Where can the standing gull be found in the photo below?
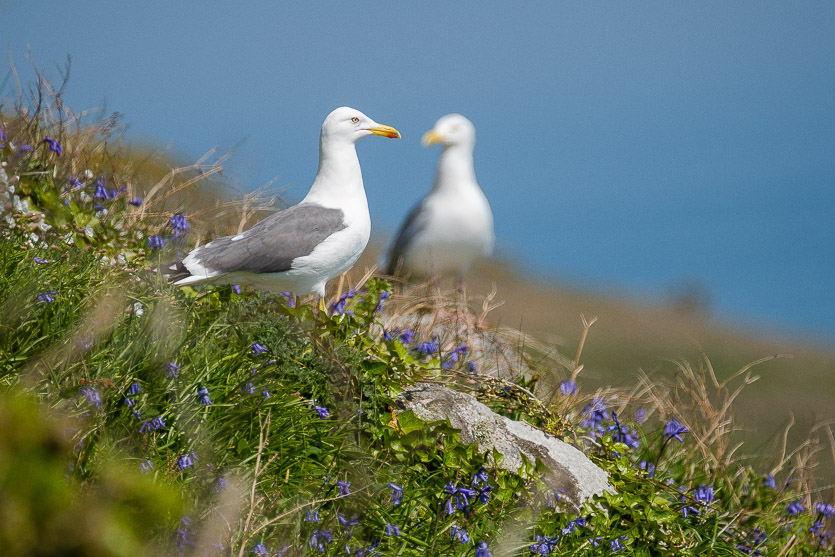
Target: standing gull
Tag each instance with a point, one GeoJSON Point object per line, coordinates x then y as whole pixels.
{"type": "Point", "coordinates": [300, 248]}
{"type": "Point", "coordinates": [452, 226]}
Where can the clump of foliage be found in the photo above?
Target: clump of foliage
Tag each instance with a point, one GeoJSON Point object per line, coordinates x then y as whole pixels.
{"type": "Point", "coordinates": [224, 421]}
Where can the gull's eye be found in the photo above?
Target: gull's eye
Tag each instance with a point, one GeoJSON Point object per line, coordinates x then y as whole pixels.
{"type": "Point", "coordinates": [355, 120]}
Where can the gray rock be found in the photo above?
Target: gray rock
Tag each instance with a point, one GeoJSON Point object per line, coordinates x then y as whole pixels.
{"type": "Point", "coordinates": [569, 470]}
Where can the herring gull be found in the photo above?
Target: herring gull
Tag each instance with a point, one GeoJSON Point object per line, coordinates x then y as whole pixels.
{"type": "Point", "coordinates": [452, 226]}
{"type": "Point", "coordinates": [300, 248]}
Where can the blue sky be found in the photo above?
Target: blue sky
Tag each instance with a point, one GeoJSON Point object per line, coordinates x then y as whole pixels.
{"type": "Point", "coordinates": [630, 147]}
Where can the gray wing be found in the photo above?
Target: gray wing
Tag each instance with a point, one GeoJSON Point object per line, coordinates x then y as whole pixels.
{"type": "Point", "coordinates": [414, 223]}
{"type": "Point", "coordinates": [271, 245]}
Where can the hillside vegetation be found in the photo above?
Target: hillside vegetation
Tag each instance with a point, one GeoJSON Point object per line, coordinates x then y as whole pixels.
{"type": "Point", "coordinates": [141, 419]}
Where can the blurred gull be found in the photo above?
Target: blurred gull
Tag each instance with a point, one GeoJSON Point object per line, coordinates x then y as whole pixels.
{"type": "Point", "coordinates": [299, 248]}
{"type": "Point", "coordinates": [452, 226]}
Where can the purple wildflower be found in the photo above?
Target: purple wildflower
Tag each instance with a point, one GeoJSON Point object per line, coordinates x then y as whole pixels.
{"type": "Point", "coordinates": [344, 488]}
{"type": "Point", "coordinates": [25, 148]}
{"type": "Point", "coordinates": [595, 414]}
{"type": "Point", "coordinates": [397, 493]}
{"type": "Point", "coordinates": [673, 429]}
{"type": "Point", "coordinates": [320, 538]}
{"type": "Point", "coordinates": [616, 545]}
{"type": "Point", "coordinates": [135, 388]}
{"type": "Point", "coordinates": [186, 461]}
{"type": "Point", "coordinates": [39, 261]}
{"type": "Point", "coordinates": [769, 481]}
{"type": "Point", "coordinates": [426, 348]}
{"type": "Point", "coordinates": [481, 550]}
{"type": "Point", "coordinates": [383, 297]}
{"type": "Point", "coordinates": [179, 225]}
{"type": "Point", "coordinates": [47, 297]}
{"type": "Point", "coordinates": [136, 201]}
{"type": "Point", "coordinates": [568, 388]}
{"type": "Point", "coordinates": [472, 367]}
{"type": "Point", "coordinates": [92, 395]}
{"type": "Point", "coordinates": [260, 549]}
{"type": "Point", "coordinates": [322, 411]}
{"type": "Point", "coordinates": [266, 394]}
{"type": "Point", "coordinates": [103, 193]}
{"type": "Point", "coordinates": [146, 466]}
{"type": "Point", "coordinates": [338, 307]}
{"type": "Point", "coordinates": [795, 508]}
{"type": "Point", "coordinates": [74, 182]}
{"type": "Point", "coordinates": [203, 395]}
{"type": "Point", "coordinates": [406, 336]}
{"type": "Point", "coordinates": [826, 509]}
{"type": "Point", "coordinates": [312, 516]}
{"type": "Point", "coordinates": [258, 348]}
{"type": "Point", "coordinates": [152, 425]}
{"type": "Point", "coordinates": [703, 494]}
{"type": "Point", "coordinates": [54, 146]}
{"type": "Point", "coordinates": [348, 523]}
{"type": "Point", "coordinates": [157, 242]}
{"type": "Point", "coordinates": [459, 534]}
{"type": "Point", "coordinates": [291, 299]}
{"type": "Point", "coordinates": [236, 289]}
{"type": "Point", "coordinates": [392, 530]}
{"type": "Point", "coordinates": [172, 369]}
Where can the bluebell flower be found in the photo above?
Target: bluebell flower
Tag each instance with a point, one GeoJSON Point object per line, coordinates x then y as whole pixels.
{"type": "Point", "coordinates": [795, 508]}
{"type": "Point", "coordinates": [203, 396]}
{"type": "Point", "coordinates": [54, 146]}
{"type": "Point", "coordinates": [103, 193]}
{"type": "Point", "coordinates": [322, 411]}
{"type": "Point", "coordinates": [25, 148]}
{"type": "Point", "coordinates": [179, 225]}
{"type": "Point", "coordinates": [135, 388]}
{"type": "Point", "coordinates": [622, 433]}
{"type": "Point", "coordinates": [397, 493]}
{"type": "Point", "coordinates": [47, 297]}
{"type": "Point", "coordinates": [344, 488]}
{"type": "Point", "coordinates": [172, 369]}
{"type": "Point", "coordinates": [480, 477]}
{"type": "Point", "coordinates": [572, 525]}
{"type": "Point", "coordinates": [753, 541]}
{"type": "Point", "coordinates": [348, 524]}
{"type": "Point", "coordinates": [616, 544]}
{"type": "Point", "coordinates": [595, 414]}
{"type": "Point", "coordinates": [703, 494]}
{"type": "Point", "coordinates": [384, 295]}
{"type": "Point", "coordinates": [320, 538]}
{"type": "Point", "coordinates": [236, 289]}
{"type": "Point", "coordinates": [648, 467]}
{"type": "Point", "coordinates": [769, 481]}
{"type": "Point", "coordinates": [312, 516]}
{"type": "Point", "coordinates": [258, 348]}
{"type": "Point", "coordinates": [136, 201]}
{"type": "Point", "coordinates": [3, 136]}
{"type": "Point", "coordinates": [673, 429]}
{"type": "Point", "coordinates": [92, 395]}
{"type": "Point", "coordinates": [156, 241]}
{"type": "Point", "coordinates": [221, 484]}
{"type": "Point", "coordinates": [543, 545]}
{"type": "Point", "coordinates": [568, 388]}
{"type": "Point", "coordinates": [266, 394]}
{"type": "Point", "coordinates": [481, 550]}
{"type": "Point", "coordinates": [426, 348]}
{"type": "Point", "coordinates": [406, 336]}
{"type": "Point", "coordinates": [146, 466]}
{"type": "Point", "coordinates": [249, 389]}
{"type": "Point", "coordinates": [392, 529]}
{"type": "Point", "coordinates": [291, 299]}
{"type": "Point", "coordinates": [260, 549]}
{"type": "Point", "coordinates": [39, 261]}
{"type": "Point", "coordinates": [74, 182]}
{"type": "Point", "coordinates": [187, 460]}
{"type": "Point", "coordinates": [472, 367]}
{"type": "Point", "coordinates": [459, 534]}
{"type": "Point", "coordinates": [640, 415]}
{"type": "Point", "coordinates": [338, 307]}
{"type": "Point", "coordinates": [826, 509]}
{"type": "Point", "coordinates": [154, 424]}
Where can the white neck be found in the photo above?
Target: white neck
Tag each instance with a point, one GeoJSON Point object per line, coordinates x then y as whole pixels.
{"type": "Point", "coordinates": [455, 166]}
{"type": "Point", "coordinates": [339, 177]}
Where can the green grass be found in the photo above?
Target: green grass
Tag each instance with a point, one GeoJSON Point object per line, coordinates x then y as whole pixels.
{"type": "Point", "coordinates": [141, 419]}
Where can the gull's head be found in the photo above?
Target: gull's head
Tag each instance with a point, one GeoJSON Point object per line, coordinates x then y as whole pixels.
{"type": "Point", "coordinates": [450, 130]}
{"type": "Point", "coordinates": [348, 125]}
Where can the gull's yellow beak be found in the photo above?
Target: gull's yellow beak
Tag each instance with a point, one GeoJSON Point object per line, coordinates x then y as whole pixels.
{"type": "Point", "coordinates": [431, 138]}
{"type": "Point", "coordinates": [385, 131]}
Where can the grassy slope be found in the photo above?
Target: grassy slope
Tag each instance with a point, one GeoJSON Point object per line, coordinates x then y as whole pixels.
{"type": "Point", "coordinates": [631, 336]}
